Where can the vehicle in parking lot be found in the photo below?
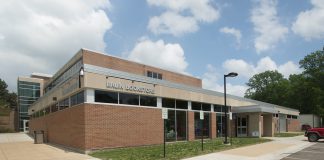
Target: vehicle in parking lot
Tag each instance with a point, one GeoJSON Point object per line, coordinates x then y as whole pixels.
{"type": "Point", "coordinates": [306, 127]}
{"type": "Point", "coordinates": [314, 134]}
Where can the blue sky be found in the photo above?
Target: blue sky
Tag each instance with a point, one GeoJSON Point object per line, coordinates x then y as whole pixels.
{"type": "Point", "coordinates": [202, 38]}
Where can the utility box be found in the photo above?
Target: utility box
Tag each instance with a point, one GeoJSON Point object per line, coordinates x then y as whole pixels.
{"type": "Point", "coordinates": [38, 137]}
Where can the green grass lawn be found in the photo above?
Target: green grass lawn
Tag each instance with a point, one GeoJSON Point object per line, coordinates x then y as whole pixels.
{"type": "Point", "coordinates": [174, 150]}
{"type": "Point", "coordinates": [288, 134]}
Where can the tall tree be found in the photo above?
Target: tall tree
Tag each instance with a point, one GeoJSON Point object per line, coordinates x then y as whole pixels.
{"type": "Point", "coordinates": [268, 86]}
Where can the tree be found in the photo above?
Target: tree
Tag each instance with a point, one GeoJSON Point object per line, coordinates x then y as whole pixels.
{"type": "Point", "coordinates": [7, 99]}
{"type": "Point", "coordinates": [268, 86]}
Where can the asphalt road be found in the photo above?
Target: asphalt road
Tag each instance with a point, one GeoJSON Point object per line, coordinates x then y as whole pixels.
{"type": "Point", "coordinates": [314, 152]}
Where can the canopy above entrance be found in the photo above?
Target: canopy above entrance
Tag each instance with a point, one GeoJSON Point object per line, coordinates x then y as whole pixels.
{"type": "Point", "coordinates": [255, 108]}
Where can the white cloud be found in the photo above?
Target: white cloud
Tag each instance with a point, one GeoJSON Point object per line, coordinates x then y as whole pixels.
{"type": "Point", "coordinates": [247, 70]}
{"type": "Point", "coordinates": [266, 25]}
{"type": "Point", "coordinates": [232, 31]}
{"type": "Point", "coordinates": [212, 80]}
{"type": "Point", "coordinates": [309, 24]}
{"type": "Point", "coordinates": [165, 55]}
{"type": "Point", "coordinates": [184, 14]}
{"type": "Point", "coordinates": [179, 23]}
{"type": "Point", "coordinates": [39, 36]}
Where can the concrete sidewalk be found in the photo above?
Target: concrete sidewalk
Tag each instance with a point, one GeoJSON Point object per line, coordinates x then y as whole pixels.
{"type": "Point", "coordinates": [274, 150]}
{"type": "Point", "coordinates": [17, 146]}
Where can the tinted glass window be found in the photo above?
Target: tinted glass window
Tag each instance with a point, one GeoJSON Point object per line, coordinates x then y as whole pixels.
{"type": "Point", "coordinates": [217, 108]}
{"type": "Point", "coordinates": [149, 74]}
{"type": "Point", "coordinates": [105, 97]}
{"type": "Point", "coordinates": [80, 97]}
{"type": "Point", "coordinates": [168, 103]}
{"type": "Point", "coordinates": [154, 75]}
{"type": "Point", "coordinates": [181, 104]}
{"type": "Point", "coordinates": [148, 101]}
{"type": "Point", "coordinates": [159, 76]}
{"type": "Point", "coordinates": [206, 107]}
{"type": "Point", "coordinates": [195, 106]}
{"type": "Point", "coordinates": [125, 98]}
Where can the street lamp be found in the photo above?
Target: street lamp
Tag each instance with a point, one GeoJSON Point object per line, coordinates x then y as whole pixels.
{"type": "Point", "coordinates": [81, 73]}
{"type": "Point", "coordinates": [232, 74]}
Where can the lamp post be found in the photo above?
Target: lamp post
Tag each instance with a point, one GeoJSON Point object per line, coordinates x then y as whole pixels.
{"type": "Point", "coordinates": [232, 74]}
{"type": "Point", "coordinates": [81, 73]}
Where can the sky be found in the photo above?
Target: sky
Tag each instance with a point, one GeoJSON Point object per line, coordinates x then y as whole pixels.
{"type": "Point", "coordinates": [201, 38]}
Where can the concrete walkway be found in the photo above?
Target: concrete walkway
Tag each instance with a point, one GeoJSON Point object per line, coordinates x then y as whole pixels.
{"type": "Point", "coordinates": [274, 150]}
{"type": "Point", "coordinates": [17, 146]}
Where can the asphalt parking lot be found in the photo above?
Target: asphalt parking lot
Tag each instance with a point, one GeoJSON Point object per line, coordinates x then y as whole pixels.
{"type": "Point", "coordinates": [314, 152]}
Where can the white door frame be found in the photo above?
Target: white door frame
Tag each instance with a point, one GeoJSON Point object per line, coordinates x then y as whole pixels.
{"type": "Point", "coordinates": [26, 128]}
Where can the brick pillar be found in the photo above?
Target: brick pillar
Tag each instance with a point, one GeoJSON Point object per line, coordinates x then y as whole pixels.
{"type": "Point", "coordinates": [191, 126]}
{"type": "Point", "coordinates": [213, 126]}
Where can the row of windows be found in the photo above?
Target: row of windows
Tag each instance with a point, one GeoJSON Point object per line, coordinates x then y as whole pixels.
{"type": "Point", "coordinates": [154, 75]}
{"type": "Point", "coordinates": [134, 99]}
{"type": "Point", "coordinates": [25, 83]}
{"type": "Point", "coordinates": [72, 70]}
{"type": "Point", "coordinates": [65, 103]}
{"type": "Point", "coordinates": [124, 98]}
{"type": "Point", "coordinates": [287, 116]}
{"type": "Point", "coordinates": [28, 92]}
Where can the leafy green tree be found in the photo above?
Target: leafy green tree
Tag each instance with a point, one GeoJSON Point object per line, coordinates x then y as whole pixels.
{"type": "Point", "coordinates": [268, 86]}
{"type": "Point", "coordinates": [7, 99]}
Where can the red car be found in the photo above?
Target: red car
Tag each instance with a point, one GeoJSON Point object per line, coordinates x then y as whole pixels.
{"type": "Point", "coordinates": [314, 134]}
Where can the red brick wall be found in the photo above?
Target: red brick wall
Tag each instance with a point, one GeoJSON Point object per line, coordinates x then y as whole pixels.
{"type": "Point", "coordinates": [191, 126]}
{"type": "Point", "coordinates": [109, 126]}
{"type": "Point", "coordinates": [64, 127]}
{"type": "Point", "coordinates": [213, 125]}
{"type": "Point", "coordinates": [293, 125]}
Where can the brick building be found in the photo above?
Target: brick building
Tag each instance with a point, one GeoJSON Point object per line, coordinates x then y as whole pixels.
{"type": "Point", "coordinates": [97, 101]}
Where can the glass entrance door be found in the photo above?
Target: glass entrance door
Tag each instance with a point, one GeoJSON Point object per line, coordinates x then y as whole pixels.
{"type": "Point", "coordinates": [241, 126]}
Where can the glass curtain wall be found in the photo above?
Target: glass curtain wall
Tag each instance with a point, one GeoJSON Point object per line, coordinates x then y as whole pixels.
{"type": "Point", "coordinates": [28, 93]}
{"type": "Point", "coordinates": [176, 124]}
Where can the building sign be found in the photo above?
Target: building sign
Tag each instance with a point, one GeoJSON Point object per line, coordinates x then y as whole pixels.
{"type": "Point", "coordinates": [131, 88]}
{"type": "Point", "coordinates": [164, 113]}
{"type": "Point", "coordinates": [201, 115]}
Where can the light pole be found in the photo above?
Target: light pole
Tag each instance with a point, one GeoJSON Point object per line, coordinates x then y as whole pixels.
{"type": "Point", "coordinates": [232, 74]}
{"type": "Point", "coordinates": [81, 74]}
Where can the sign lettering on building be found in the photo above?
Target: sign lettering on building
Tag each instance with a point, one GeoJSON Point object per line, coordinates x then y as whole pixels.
{"type": "Point", "coordinates": [131, 88]}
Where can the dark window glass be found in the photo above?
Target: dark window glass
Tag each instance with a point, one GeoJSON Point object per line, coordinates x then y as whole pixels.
{"type": "Point", "coordinates": [80, 97]}
{"type": "Point", "coordinates": [149, 74]}
{"type": "Point", "coordinates": [294, 117]}
{"type": "Point", "coordinates": [168, 103]}
{"type": "Point", "coordinates": [74, 100]}
{"type": "Point", "coordinates": [181, 104]}
{"type": "Point", "coordinates": [205, 107]}
{"type": "Point", "coordinates": [218, 108]}
{"type": "Point", "coordinates": [159, 76]}
{"type": "Point", "coordinates": [125, 98]}
{"type": "Point", "coordinates": [196, 106]}
{"type": "Point", "coordinates": [148, 101]}
{"type": "Point", "coordinates": [202, 127]}
{"type": "Point", "coordinates": [106, 97]}
{"type": "Point", "coordinates": [155, 75]}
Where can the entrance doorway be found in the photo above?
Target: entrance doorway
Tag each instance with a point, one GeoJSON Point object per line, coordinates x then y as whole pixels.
{"type": "Point", "coordinates": [241, 124]}
{"type": "Point", "coordinates": [26, 125]}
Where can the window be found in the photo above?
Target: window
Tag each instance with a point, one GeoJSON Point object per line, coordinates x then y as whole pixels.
{"type": "Point", "coordinates": [294, 117]}
{"type": "Point", "coordinates": [181, 104]}
{"type": "Point", "coordinates": [196, 106]}
{"type": "Point", "coordinates": [106, 97]}
{"type": "Point", "coordinates": [154, 75]}
{"type": "Point", "coordinates": [168, 103]}
{"type": "Point", "coordinates": [205, 107]}
{"type": "Point", "coordinates": [131, 99]}
{"type": "Point", "coordinates": [202, 127]}
{"type": "Point", "coordinates": [77, 98]}
{"type": "Point", "coordinates": [148, 101]}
